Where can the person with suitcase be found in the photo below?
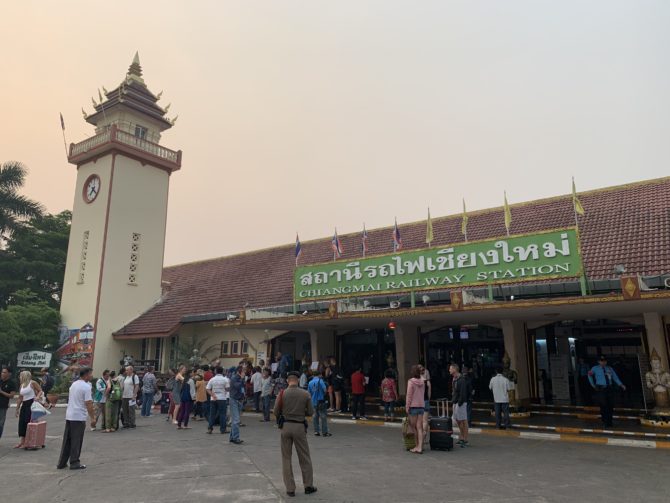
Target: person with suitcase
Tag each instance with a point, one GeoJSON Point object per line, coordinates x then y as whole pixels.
{"type": "Point", "coordinates": [460, 394]}
{"type": "Point", "coordinates": [79, 407]}
{"type": "Point", "coordinates": [28, 391]}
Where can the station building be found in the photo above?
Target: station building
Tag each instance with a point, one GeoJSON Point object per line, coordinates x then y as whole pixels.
{"type": "Point", "coordinates": [552, 292]}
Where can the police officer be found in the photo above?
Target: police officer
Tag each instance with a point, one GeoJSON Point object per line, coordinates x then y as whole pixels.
{"type": "Point", "coordinates": [602, 378]}
{"type": "Point", "coordinates": [293, 404]}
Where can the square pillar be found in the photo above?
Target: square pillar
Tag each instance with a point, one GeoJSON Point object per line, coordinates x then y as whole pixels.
{"type": "Point", "coordinates": [514, 333]}
{"type": "Point", "coordinates": [322, 344]}
{"type": "Point", "coordinates": [406, 352]}
{"type": "Point", "coordinates": [656, 337]}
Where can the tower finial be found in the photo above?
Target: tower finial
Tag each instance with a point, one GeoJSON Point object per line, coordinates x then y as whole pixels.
{"type": "Point", "coordinates": [135, 69]}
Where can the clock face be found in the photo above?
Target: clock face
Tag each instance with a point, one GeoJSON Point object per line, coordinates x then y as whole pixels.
{"type": "Point", "coordinates": [91, 188]}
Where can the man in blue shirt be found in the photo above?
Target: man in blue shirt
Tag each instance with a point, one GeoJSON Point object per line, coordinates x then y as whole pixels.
{"type": "Point", "coordinates": [602, 378]}
{"type": "Point", "coordinates": [236, 403]}
{"type": "Point", "coordinates": [317, 390]}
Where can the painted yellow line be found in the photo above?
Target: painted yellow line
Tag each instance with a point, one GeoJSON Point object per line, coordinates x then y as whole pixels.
{"type": "Point", "coordinates": [584, 439]}
{"type": "Point", "coordinates": [566, 429]}
{"type": "Point", "coordinates": [662, 445]}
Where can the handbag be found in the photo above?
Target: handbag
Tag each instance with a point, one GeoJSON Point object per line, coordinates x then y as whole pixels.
{"type": "Point", "coordinates": [280, 406]}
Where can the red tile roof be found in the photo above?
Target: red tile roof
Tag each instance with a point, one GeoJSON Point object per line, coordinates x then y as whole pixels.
{"type": "Point", "coordinates": [627, 225]}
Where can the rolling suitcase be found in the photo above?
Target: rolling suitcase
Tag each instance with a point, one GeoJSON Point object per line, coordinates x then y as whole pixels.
{"type": "Point", "coordinates": [441, 429]}
{"type": "Point", "coordinates": [36, 436]}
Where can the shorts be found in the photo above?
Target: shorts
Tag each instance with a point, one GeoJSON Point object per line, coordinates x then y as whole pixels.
{"type": "Point", "coordinates": [461, 412]}
{"type": "Point", "coordinates": [426, 405]}
{"type": "Point", "coordinates": [416, 411]}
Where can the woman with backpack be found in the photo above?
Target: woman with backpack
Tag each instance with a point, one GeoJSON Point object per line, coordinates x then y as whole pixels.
{"type": "Point", "coordinates": [389, 391]}
{"type": "Point", "coordinates": [113, 403]}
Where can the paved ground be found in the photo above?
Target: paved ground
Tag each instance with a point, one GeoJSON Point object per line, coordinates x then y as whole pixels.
{"type": "Point", "coordinates": [156, 463]}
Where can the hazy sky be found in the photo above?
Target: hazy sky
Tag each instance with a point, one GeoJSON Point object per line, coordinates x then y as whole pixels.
{"type": "Point", "coordinates": [306, 115]}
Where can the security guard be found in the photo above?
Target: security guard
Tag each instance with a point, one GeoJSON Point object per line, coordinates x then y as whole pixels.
{"type": "Point", "coordinates": [602, 378]}
{"type": "Point", "coordinates": [292, 405]}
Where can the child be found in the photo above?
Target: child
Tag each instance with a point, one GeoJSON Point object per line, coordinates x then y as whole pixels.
{"type": "Point", "coordinates": [389, 395]}
{"type": "Point", "coordinates": [266, 393]}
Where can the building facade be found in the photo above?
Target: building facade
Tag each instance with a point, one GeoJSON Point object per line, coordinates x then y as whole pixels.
{"type": "Point", "coordinates": [550, 294]}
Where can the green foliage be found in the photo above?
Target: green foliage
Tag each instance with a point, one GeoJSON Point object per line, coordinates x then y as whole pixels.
{"type": "Point", "coordinates": [28, 324]}
{"type": "Point", "coordinates": [34, 258]}
{"type": "Point", "coordinates": [192, 346]}
{"type": "Point", "coordinates": [14, 207]}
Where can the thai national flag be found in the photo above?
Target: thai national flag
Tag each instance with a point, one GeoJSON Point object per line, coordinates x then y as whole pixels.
{"type": "Point", "coordinates": [364, 241]}
{"type": "Point", "coordinates": [298, 249]}
{"type": "Point", "coordinates": [397, 240]}
{"type": "Point", "coordinates": [336, 245]}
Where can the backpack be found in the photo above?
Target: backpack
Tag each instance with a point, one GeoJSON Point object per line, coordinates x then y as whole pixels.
{"type": "Point", "coordinates": [388, 392]}
{"type": "Point", "coordinates": [115, 394]}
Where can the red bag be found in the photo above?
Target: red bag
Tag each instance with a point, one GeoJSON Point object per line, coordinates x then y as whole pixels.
{"type": "Point", "coordinates": [36, 436]}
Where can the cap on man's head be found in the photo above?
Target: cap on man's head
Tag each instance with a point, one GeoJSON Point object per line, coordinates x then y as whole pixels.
{"type": "Point", "coordinates": [603, 358]}
{"type": "Point", "coordinates": [294, 374]}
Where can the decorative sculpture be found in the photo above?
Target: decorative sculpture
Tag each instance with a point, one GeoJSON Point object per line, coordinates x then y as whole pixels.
{"type": "Point", "coordinates": [658, 380]}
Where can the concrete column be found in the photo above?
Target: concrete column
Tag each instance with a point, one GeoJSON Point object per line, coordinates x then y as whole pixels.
{"type": "Point", "coordinates": [406, 353]}
{"type": "Point", "coordinates": [655, 328]}
{"type": "Point", "coordinates": [322, 344]}
{"type": "Point", "coordinates": [514, 333]}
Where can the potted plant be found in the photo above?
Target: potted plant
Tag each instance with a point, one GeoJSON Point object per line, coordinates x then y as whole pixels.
{"type": "Point", "coordinates": [60, 388]}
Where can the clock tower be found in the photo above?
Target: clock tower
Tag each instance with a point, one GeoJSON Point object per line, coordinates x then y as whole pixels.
{"type": "Point", "coordinates": [115, 253]}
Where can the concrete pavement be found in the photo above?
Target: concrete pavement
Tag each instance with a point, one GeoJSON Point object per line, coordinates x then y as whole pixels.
{"type": "Point", "coordinates": [157, 463]}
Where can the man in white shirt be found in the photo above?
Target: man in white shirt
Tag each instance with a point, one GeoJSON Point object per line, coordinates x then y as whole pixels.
{"type": "Point", "coordinates": [218, 388]}
{"type": "Point", "coordinates": [257, 381]}
{"type": "Point", "coordinates": [131, 384]}
{"type": "Point", "coordinates": [79, 407]}
{"type": "Point", "coordinates": [500, 385]}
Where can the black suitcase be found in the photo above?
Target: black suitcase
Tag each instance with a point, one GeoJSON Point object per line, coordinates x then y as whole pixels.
{"type": "Point", "coordinates": [441, 429]}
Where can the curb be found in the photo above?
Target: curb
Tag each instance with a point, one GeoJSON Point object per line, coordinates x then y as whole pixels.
{"type": "Point", "coordinates": [572, 435]}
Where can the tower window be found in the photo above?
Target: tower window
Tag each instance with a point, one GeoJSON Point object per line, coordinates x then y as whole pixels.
{"type": "Point", "coordinates": [82, 258]}
{"type": "Point", "coordinates": [134, 258]}
{"type": "Point", "coordinates": [141, 132]}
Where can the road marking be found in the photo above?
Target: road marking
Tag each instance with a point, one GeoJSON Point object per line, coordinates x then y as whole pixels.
{"type": "Point", "coordinates": [625, 442]}
{"type": "Point", "coordinates": [544, 436]}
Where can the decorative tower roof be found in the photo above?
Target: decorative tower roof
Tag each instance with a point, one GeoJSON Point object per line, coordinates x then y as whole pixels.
{"type": "Point", "coordinates": [133, 94]}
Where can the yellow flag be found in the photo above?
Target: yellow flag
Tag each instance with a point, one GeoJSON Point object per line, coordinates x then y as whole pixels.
{"type": "Point", "coordinates": [429, 229]}
{"type": "Point", "coordinates": [464, 223]}
{"type": "Point", "coordinates": [579, 209]}
{"type": "Point", "coordinates": [508, 215]}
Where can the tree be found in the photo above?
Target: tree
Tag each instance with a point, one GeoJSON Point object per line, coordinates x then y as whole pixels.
{"type": "Point", "coordinates": [14, 208]}
{"type": "Point", "coordinates": [34, 258]}
{"type": "Point", "coordinates": [28, 324]}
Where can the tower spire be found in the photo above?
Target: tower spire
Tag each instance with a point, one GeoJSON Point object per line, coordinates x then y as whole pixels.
{"type": "Point", "coordinates": [135, 69]}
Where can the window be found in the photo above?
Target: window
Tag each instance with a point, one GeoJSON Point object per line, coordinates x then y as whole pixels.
{"type": "Point", "coordinates": [224, 348]}
{"type": "Point", "coordinates": [235, 348]}
{"type": "Point", "coordinates": [134, 258]}
{"type": "Point", "coordinates": [158, 353]}
{"type": "Point", "coordinates": [140, 132]}
{"type": "Point", "coordinates": [245, 348]}
{"type": "Point", "coordinates": [145, 349]}
{"type": "Point", "coordinates": [82, 259]}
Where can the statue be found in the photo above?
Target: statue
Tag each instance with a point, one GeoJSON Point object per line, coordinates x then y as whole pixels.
{"type": "Point", "coordinates": [511, 374]}
{"type": "Point", "coordinates": [658, 380]}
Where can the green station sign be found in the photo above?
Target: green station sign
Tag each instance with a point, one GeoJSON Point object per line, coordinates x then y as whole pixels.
{"type": "Point", "coordinates": [541, 256]}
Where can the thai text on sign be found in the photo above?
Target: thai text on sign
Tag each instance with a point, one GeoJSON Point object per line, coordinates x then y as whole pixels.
{"type": "Point", "coordinates": [546, 255]}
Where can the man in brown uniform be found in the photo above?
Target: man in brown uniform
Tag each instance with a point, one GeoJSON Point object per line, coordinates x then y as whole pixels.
{"type": "Point", "coordinates": [294, 404]}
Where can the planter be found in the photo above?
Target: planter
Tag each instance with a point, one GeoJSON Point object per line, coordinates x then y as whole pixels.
{"type": "Point", "coordinates": [52, 398]}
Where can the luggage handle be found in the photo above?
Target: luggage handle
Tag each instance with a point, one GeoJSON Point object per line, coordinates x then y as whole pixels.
{"type": "Point", "coordinates": [442, 407]}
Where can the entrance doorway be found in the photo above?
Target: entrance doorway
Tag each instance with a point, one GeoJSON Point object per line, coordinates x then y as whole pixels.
{"type": "Point", "coordinates": [478, 346]}
{"type": "Point", "coordinates": [374, 350]}
{"type": "Point", "coordinates": [567, 350]}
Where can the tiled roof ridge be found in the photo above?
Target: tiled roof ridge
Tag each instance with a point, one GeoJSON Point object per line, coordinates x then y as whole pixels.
{"type": "Point", "coordinates": [483, 211]}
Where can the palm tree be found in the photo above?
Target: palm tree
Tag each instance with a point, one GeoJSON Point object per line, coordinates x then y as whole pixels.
{"type": "Point", "coordinates": [14, 208]}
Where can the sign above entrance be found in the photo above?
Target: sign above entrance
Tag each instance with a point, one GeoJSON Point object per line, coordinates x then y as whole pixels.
{"type": "Point", "coordinates": [513, 259]}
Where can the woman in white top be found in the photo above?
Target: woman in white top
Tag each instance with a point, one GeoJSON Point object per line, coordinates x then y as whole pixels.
{"type": "Point", "coordinates": [28, 391]}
